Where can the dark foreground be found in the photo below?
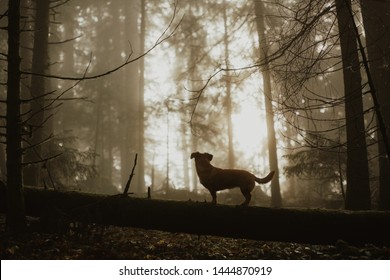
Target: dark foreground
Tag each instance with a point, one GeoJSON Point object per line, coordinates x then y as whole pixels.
{"type": "Point", "coordinates": [97, 242]}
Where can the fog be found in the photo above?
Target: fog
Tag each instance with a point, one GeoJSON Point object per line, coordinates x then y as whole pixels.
{"type": "Point", "coordinates": [260, 85]}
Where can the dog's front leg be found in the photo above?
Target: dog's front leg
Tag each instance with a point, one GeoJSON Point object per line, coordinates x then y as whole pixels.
{"type": "Point", "coordinates": [214, 196]}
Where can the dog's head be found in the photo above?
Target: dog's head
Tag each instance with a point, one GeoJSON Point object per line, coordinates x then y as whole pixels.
{"type": "Point", "coordinates": [198, 155]}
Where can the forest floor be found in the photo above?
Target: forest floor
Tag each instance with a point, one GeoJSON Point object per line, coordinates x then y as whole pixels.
{"type": "Point", "coordinates": [94, 242]}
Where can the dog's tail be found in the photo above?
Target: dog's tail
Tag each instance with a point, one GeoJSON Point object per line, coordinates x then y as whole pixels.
{"type": "Point", "coordinates": [266, 179]}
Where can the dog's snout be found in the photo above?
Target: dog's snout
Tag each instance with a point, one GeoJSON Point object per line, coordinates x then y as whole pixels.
{"type": "Point", "coordinates": [209, 156]}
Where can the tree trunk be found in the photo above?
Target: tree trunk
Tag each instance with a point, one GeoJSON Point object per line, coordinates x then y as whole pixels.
{"type": "Point", "coordinates": [259, 223]}
{"type": "Point", "coordinates": [131, 99]}
{"type": "Point", "coordinates": [16, 221]}
{"type": "Point", "coordinates": [194, 77]}
{"type": "Point", "coordinates": [376, 18]}
{"type": "Point", "coordinates": [141, 102]}
{"type": "Point", "coordinates": [26, 45]}
{"type": "Point", "coordinates": [228, 100]}
{"type": "Point", "coordinates": [65, 117]}
{"type": "Point", "coordinates": [40, 65]}
{"type": "Point", "coordinates": [276, 198]}
{"type": "Point", "coordinates": [194, 174]}
{"type": "Point", "coordinates": [358, 189]}
{"type": "Point", "coordinates": [3, 160]}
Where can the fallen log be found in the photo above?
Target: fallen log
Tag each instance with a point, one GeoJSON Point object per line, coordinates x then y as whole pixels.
{"type": "Point", "coordinates": [314, 226]}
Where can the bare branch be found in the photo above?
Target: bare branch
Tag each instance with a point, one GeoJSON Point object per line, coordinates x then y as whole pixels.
{"type": "Point", "coordinates": [161, 39]}
{"type": "Point", "coordinates": [66, 41]}
{"type": "Point", "coordinates": [279, 53]}
{"type": "Point", "coordinates": [24, 164]}
{"type": "Point", "coordinates": [37, 97]}
{"type": "Point", "coordinates": [58, 3]}
{"type": "Point", "coordinates": [4, 15]}
{"type": "Point", "coordinates": [32, 146]}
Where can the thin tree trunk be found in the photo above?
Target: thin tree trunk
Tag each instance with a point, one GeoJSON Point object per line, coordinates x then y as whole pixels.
{"type": "Point", "coordinates": [141, 107]}
{"type": "Point", "coordinates": [40, 65]}
{"type": "Point", "coordinates": [228, 101]}
{"type": "Point", "coordinates": [16, 220]}
{"type": "Point", "coordinates": [130, 141]}
{"type": "Point", "coordinates": [194, 174]}
{"type": "Point", "coordinates": [65, 117]}
{"type": "Point", "coordinates": [98, 143]}
{"type": "Point", "coordinates": [125, 142]}
{"type": "Point", "coordinates": [185, 158]}
{"type": "Point", "coordinates": [109, 164]}
{"type": "Point", "coordinates": [26, 47]}
{"type": "Point", "coordinates": [358, 189]}
{"type": "Point", "coordinates": [276, 198]}
{"type": "Point", "coordinates": [193, 138]}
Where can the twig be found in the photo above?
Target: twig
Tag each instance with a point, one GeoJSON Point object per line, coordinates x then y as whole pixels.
{"type": "Point", "coordinates": [161, 39]}
{"type": "Point", "coordinates": [130, 177]}
{"type": "Point", "coordinates": [24, 164]}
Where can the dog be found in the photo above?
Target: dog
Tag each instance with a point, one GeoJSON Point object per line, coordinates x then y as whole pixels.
{"type": "Point", "coordinates": [215, 179]}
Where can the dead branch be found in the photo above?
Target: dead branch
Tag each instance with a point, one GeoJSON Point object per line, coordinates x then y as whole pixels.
{"type": "Point", "coordinates": [41, 160]}
{"type": "Point", "coordinates": [65, 41]}
{"type": "Point", "coordinates": [125, 192]}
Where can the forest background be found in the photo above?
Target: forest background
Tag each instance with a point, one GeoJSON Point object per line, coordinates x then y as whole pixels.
{"type": "Point", "coordinates": [300, 87]}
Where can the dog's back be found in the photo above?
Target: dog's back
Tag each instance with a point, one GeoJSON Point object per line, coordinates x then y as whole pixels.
{"type": "Point", "coordinates": [220, 179]}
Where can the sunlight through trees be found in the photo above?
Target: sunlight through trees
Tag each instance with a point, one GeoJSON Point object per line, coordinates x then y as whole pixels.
{"type": "Point", "coordinates": [298, 87]}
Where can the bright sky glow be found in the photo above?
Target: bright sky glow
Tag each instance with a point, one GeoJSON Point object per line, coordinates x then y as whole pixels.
{"type": "Point", "coordinates": [249, 125]}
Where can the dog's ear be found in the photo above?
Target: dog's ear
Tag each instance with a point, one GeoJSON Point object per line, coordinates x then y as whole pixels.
{"type": "Point", "coordinates": [194, 155]}
{"type": "Point", "coordinates": [209, 156]}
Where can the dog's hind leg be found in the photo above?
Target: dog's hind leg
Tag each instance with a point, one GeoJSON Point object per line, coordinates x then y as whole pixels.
{"type": "Point", "coordinates": [246, 191]}
{"type": "Point", "coordinates": [247, 196]}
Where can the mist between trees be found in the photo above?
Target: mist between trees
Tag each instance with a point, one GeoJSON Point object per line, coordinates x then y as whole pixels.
{"type": "Point", "coordinates": [299, 87]}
